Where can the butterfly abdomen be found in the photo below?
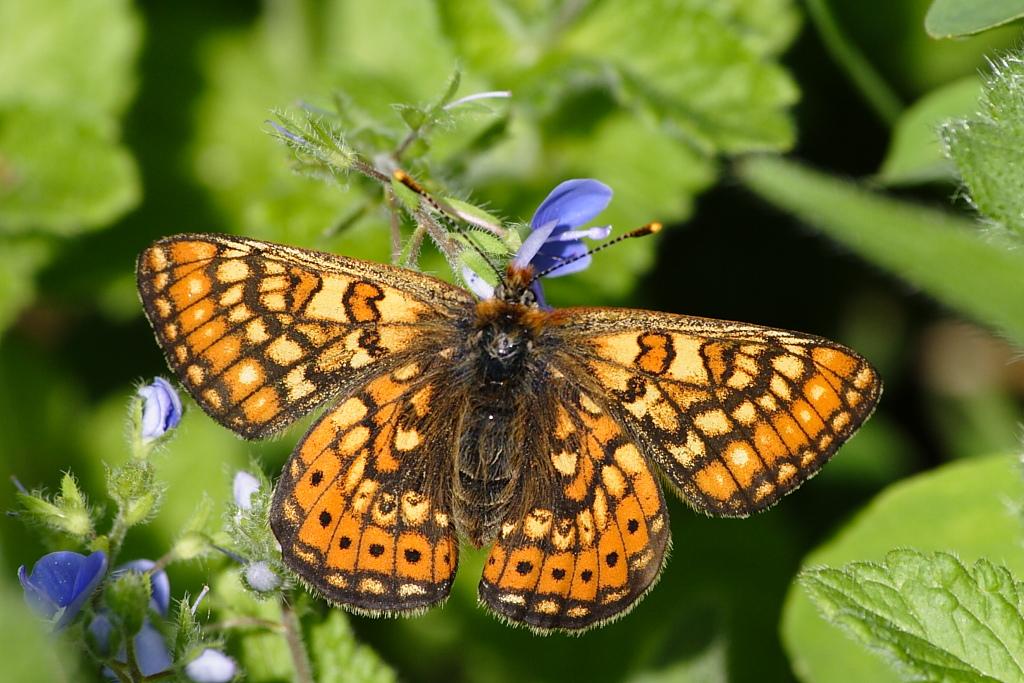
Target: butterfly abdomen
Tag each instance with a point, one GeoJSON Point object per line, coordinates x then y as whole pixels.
{"type": "Point", "coordinates": [485, 474]}
{"type": "Point", "coordinates": [500, 359]}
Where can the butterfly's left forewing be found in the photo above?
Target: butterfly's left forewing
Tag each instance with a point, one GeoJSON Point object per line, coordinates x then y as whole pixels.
{"type": "Point", "coordinates": [736, 415]}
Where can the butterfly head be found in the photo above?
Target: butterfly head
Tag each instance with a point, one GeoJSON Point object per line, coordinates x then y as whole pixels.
{"type": "Point", "coordinates": [509, 322]}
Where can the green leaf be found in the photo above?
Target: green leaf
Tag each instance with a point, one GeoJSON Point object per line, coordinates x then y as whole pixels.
{"type": "Point", "coordinates": [61, 169]}
{"type": "Point", "coordinates": [28, 652]}
{"type": "Point", "coordinates": [929, 614]}
{"type": "Point", "coordinates": [263, 653]}
{"type": "Point", "coordinates": [76, 53]}
{"type": "Point", "coordinates": [653, 181]}
{"type": "Point", "coordinates": [915, 153]}
{"type": "Point", "coordinates": [339, 658]}
{"type": "Point", "coordinates": [943, 255]}
{"type": "Point", "coordinates": [717, 88]}
{"type": "Point", "coordinates": [985, 147]}
{"type": "Point", "coordinates": [956, 18]}
{"type": "Point", "coordinates": [969, 508]}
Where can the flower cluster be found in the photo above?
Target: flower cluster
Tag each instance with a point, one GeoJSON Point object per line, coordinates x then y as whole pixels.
{"type": "Point", "coordinates": [125, 609]}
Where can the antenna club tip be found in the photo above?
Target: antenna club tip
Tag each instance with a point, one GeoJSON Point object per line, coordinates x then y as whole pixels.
{"type": "Point", "coordinates": [649, 229]}
{"type": "Point", "coordinates": [404, 178]}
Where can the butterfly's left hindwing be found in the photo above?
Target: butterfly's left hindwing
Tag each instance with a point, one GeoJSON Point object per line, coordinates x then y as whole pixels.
{"type": "Point", "coordinates": [261, 333]}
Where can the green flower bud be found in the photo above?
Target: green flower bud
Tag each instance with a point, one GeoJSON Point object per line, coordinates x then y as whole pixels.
{"type": "Point", "coordinates": [128, 596]}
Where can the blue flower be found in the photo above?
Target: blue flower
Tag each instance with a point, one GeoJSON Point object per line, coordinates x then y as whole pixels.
{"type": "Point", "coordinates": [61, 582]}
{"type": "Point", "coordinates": [162, 409]}
{"type": "Point", "coordinates": [554, 236]}
{"type": "Point", "coordinates": [211, 666]}
{"type": "Point", "coordinates": [151, 653]}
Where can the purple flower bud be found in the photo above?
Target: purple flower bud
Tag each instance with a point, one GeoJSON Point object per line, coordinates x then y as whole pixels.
{"type": "Point", "coordinates": [211, 666]}
{"type": "Point", "coordinates": [243, 487]}
{"type": "Point", "coordinates": [261, 577]}
{"type": "Point", "coordinates": [61, 582]}
{"type": "Point", "coordinates": [162, 409]}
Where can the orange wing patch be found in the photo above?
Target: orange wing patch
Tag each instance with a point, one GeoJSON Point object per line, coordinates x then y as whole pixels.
{"type": "Point", "coordinates": [736, 415]}
{"type": "Point", "coordinates": [592, 539]}
{"type": "Point", "coordinates": [361, 511]}
{"type": "Point", "coordinates": [258, 332]}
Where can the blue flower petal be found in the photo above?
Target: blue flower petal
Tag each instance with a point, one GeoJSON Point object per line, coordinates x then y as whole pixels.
{"type": "Point", "coordinates": [151, 653]}
{"type": "Point", "coordinates": [532, 245]}
{"type": "Point", "coordinates": [211, 666]}
{"type": "Point", "coordinates": [160, 597]}
{"type": "Point", "coordinates": [554, 238]}
{"type": "Point", "coordinates": [573, 203]}
{"type": "Point", "coordinates": [61, 582]}
{"type": "Point", "coordinates": [555, 252]}
{"type": "Point", "coordinates": [162, 409]}
{"type": "Point", "coordinates": [100, 629]}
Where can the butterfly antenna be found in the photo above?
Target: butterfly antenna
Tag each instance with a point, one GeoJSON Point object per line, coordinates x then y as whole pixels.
{"type": "Point", "coordinates": [649, 229]}
{"type": "Point", "coordinates": [448, 213]}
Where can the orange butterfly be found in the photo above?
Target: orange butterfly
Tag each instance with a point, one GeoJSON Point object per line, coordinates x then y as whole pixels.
{"type": "Point", "coordinates": [491, 418]}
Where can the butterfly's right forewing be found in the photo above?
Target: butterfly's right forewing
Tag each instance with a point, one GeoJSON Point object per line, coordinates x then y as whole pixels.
{"type": "Point", "coordinates": [261, 333]}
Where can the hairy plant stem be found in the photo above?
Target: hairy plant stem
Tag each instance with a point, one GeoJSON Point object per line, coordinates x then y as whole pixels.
{"type": "Point", "coordinates": [296, 646]}
{"type": "Point", "coordinates": [396, 226]}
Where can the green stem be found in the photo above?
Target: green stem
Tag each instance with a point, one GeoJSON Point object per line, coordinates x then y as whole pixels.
{"type": "Point", "coordinates": [293, 636]}
{"type": "Point", "coordinates": [118, 530]}
{"type": "Point", "coordinates": [133, 666]}
{"type": "Point", "coordinates": [163, 561]}
{"type": "Point", "coordinates": [885, 102]}
{"type": "Point", "coordinates": [119, 670]}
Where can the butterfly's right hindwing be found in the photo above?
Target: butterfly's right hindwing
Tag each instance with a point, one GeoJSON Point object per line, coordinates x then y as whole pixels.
{"type": "Point", "coordinates": [362, 510]}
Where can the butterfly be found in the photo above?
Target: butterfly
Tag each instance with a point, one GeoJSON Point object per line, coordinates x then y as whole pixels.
{"type": "Point", "coordinates": [489, 418]}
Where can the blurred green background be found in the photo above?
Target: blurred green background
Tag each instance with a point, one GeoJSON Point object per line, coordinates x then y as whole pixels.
{"type": "Point", "coordinates": [123, 122]}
